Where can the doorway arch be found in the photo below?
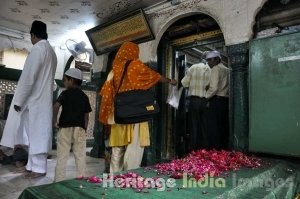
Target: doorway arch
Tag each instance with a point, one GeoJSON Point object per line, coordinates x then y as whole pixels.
{"type": "Point", "coordinates": [189, 34]}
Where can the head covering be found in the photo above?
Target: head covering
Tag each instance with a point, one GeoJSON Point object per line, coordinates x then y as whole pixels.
{"type": "Point", "coordinates": [128, 51]}
{"type": "Point", "coordinates": [38, 27]}
{"type": "Point", "coordinates": [139, 76]}
{"type": "Point", "coordinates": [213, 54]}
{"type": "Point", "coordinates": [75, 73]}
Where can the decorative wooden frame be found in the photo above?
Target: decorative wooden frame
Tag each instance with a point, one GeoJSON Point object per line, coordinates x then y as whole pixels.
{"type": "Point", "coordinates": [109, 36]}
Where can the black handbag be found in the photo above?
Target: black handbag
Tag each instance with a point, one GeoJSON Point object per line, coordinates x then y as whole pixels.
{"type": "Point", "coordinates": [134, 106]}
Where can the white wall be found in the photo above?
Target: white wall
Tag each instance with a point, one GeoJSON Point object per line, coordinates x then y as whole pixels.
{"type": "Point", "coordinates": [10, 42]}
{"type": "Point", "coordinates": [62, 55]}
{"type": "Point", "coordinates": [14, 58]}
{"type": "Point", "coordinates": [235, 18]}
{"type": "Point", "coordinates": [62, 58]}
{"type": "Point", "coordinates": [100, 63]}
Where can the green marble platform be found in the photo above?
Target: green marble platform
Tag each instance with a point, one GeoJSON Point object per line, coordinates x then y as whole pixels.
{"type": "Point", "coordinates": [276, 179]}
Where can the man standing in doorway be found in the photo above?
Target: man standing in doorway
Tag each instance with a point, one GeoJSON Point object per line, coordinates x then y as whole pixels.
{"type": "Point", "coordinates": [218, 107]}
{"type": "Point", "coordinates": [29, 120]}
{"type": "Point", "coordinates": [196, 79]}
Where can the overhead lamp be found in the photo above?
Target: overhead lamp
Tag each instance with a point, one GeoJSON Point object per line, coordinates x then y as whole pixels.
{"type": "Point", "coordinates": [197, 50]}
{"type": "Point", "coordinates": [14, 35]}
{"type": "Point", "coordinates": [11, 33]}
{"type": "Point", "coordinates": [175, 2]}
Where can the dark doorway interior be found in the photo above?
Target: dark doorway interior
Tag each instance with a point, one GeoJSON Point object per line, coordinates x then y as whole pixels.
{"type": "Point", "coordinates": [184, 58]}
{"type": "Point", "coordinates": [175, 122]}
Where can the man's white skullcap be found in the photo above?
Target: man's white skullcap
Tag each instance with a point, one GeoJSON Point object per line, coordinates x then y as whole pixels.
{"type": "Point", "coordinates": [74, 72]}
{"type": "Point", "coordinates": [213, 54]}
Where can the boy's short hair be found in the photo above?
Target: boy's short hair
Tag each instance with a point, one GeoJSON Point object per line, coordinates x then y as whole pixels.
{"type": "Point", "coordinates": [78, 82]}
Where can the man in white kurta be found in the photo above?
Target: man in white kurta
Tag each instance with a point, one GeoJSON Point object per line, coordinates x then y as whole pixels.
{"type": "Point", "coordinates": [218, 98]}
{"type": "Point", "coordinates": [29, 120]}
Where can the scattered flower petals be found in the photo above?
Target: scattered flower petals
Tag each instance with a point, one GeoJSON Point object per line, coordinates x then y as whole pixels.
{"type": "Point", "coordinates": [211, 162]}
{"type": "Point", "coordinates": [94, 179]}
{"type": "Point", "coordinates": [197, 164]}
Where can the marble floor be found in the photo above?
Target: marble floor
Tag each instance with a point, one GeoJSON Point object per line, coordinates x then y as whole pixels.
{"type": "Point", "coordinates": [12, 184]}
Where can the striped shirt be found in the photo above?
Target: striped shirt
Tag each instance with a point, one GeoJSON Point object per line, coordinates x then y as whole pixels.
{"type": "Point", "coordinates": [196, 79]}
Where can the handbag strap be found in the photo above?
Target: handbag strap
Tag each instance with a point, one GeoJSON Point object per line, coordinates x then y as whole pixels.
{"type": "Point", "coordinates": [124, 72]}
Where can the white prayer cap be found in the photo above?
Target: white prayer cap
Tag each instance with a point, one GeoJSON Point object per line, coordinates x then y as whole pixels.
{"type": "Point", "coordinates": [213, 54]}
{"type": "Point", "coordinates": [75, 73]}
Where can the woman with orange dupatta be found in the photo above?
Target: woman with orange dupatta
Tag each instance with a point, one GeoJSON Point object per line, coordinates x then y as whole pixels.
{"type": "Point", "coordinates": [127, 140]}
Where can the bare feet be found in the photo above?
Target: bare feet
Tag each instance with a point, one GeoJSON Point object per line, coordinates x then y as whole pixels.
{"type": "Point", "coordinates": [1, 155]}
{"type": "Point", "coordinates": [21, 170]}
{"type": "Point", "coordinates": [33, 175]}
{"type": "Point", "coordinates": [19, 164]}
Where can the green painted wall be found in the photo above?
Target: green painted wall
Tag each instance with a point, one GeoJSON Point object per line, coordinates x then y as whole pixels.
{"type": "Point", "coordinates": [275, 95]}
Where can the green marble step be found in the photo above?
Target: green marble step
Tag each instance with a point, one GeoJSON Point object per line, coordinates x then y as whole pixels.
{"type": "Point", "coordinates": [277, 179]}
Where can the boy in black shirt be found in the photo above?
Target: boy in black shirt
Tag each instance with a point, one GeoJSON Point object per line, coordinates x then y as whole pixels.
{"type": "Point", "coordinates": [72, 124]}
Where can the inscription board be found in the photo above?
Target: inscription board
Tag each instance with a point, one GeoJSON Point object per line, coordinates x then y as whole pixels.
{"type": "Point", "coordinates": [109, 36]}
